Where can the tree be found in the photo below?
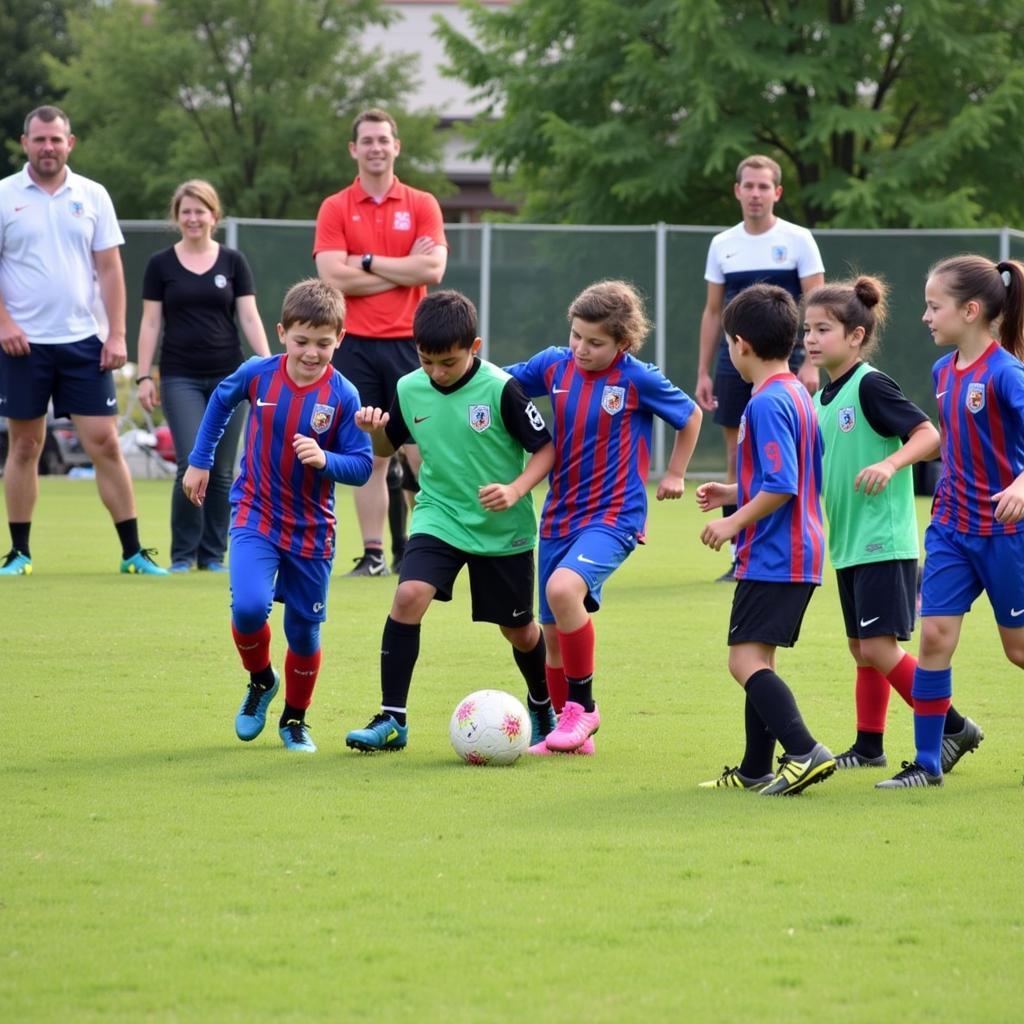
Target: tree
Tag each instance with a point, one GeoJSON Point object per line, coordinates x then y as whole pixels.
{"type": "Point", "coordinates": [881, 113]}
{"type": "Point", "coordinates": [255, 95]}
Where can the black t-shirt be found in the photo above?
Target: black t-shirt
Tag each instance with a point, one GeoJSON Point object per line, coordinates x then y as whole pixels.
{"type": "Point", "coordinates": [200, 338]}
{"type": "Point", "coordinates": [888, 411]}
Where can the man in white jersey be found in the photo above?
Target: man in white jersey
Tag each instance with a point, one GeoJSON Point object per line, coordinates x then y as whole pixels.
{"type": "Point", "coordinates": [761, 249]}
{"type": "Point", "coordinates": [59, 241]}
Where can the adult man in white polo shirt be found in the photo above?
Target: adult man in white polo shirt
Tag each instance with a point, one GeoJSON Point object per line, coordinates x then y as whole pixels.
{"type": "Point", "coordinates": [59, 238]}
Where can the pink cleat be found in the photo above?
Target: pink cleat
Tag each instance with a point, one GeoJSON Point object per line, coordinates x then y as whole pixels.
{"type": "Point", "coordinates": [542, 750]}
{"type": "Point", "coordinates": [575, 727]}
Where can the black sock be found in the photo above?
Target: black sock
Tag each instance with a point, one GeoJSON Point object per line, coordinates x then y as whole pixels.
{"type": "Point", "coordinates": [264, 679]}
{"type": "Point", "coordinates": [531, 666]}
{"type": "Point", "coordinates": [19, 537]}
{"type": "Point", "coordinates": [291, 714]}
{"type": "Point", "coordinates": [954, 720]}
{"type": "Point", "coordinates": [579, 692]}
{"type": "Point", "coordinates": [760, 749]}
{"type": "Point", "coordinates": [128, 531]}
{"type": "Point", "coordinates": [869, 744]}
{"type": "Point", "coordinates": [399, 649]}
{"type": "Point", "coordinates": [776, 705]}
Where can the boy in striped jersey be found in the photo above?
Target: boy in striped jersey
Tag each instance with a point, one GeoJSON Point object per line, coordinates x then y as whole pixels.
{"type": "Point", "coordinates": [300, 438]}
{"type": "Point", "coordinates": [780, 543]}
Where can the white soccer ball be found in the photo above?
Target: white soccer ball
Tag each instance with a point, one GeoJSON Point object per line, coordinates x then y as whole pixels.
{"type": "Point", "coordinates": [490, 727]}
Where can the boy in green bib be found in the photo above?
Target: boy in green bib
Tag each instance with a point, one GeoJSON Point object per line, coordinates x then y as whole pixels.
{"type": "Point", "coordinates": [484, 447]}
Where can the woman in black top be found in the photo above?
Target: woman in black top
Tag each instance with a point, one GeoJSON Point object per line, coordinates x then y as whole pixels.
{"type": "Point", "coordinates": [195, 289]}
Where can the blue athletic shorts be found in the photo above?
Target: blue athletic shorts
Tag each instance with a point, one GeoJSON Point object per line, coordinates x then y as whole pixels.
{"type": "Point", "coordinates": [594, 553]}
{"type": "Point", "coordinates": [70, 374]}
{"type": "Point", "coordinates": [959, 566]}
{"type": "Point", "coordinates": [262, 573]}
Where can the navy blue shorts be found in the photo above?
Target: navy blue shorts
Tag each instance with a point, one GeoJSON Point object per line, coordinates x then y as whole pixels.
{"type": "Point", "coordinates": [768, 613]}
{"type": "Point", "coordinates": [374, 365]}
{"type": "Point", "coordinates": [879, 598]}
{"type": "Point", "coordinates": [70, 374]}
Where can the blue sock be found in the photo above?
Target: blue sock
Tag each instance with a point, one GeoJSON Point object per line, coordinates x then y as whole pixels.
{"type": "Point", "coordinates": [928, 737]}
{"type": "Point", "coordinates": [932, 691]}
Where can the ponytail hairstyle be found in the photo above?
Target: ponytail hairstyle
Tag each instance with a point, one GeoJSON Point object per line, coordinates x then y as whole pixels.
{"type": "Point", "coordinates": [857, 303]}
{"type": "Point", "coordinates": [617, 307]}
{"type": "Point", "coordinates": [998, 287]}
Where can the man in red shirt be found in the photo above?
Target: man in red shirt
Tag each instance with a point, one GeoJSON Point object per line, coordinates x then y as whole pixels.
{"type": "Point", "coordinates": [381, 243]}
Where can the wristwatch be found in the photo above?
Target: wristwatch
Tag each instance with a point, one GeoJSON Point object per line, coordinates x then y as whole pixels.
{"type": "Point", "coordinates": [367, 261]}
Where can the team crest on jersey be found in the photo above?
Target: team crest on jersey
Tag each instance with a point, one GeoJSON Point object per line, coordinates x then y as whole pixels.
{"type": "Point", "coordinates": [479, 417]}
{"type": "Point", "coordinates": [76, 208]}
{"type": "Point", "coordinates": [975, 397]}
{"type": "Point", "coordinates": [322, 418]}
{"type": "Point", "coordinates": [403, 220]}
{"type": "Point", "coordinates": [847, 419]}
{"type": "Point", "coordinates": [743, 429]}
{"type": "Point", "coordinates": [613, 399]}
{"type": "Point", "coordinates": [779, 253]}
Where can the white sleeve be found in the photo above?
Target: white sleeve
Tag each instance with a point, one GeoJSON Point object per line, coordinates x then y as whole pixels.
{"type": "Point", "coordinates": [809, 261]}
{"type": "Point", "coordinates": [713, 268]}
{"type": "Point", "coordinates": [108, 231]}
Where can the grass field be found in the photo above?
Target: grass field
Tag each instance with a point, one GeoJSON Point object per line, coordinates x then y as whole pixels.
{"type": "Point", "coordinates": [153, 868]}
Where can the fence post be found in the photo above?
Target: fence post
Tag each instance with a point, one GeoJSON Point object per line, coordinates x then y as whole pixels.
{"type": "Point", "coordinates": [660, 344]}
{"type": "Point", "coordinates": [486, 238]}
{"type": "Point", "coordinates": [231, 232]}
{"type": "Point", "coordinates": [1004, 244]}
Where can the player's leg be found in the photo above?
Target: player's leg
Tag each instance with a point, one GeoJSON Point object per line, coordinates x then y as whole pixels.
{"type": "Point", "coordinates": [301, 668]}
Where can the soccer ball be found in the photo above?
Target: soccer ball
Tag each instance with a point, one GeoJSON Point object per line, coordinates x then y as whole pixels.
{"type": "Point", "coordinates": [489, 727]}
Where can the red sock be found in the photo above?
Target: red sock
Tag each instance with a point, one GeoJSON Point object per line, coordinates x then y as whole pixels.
{"type": "Point", "coordinates": [558, 688]}
{"type": "Point", "coordinates": [902, 677]}
{"type": "Point", "coordinates": [300, 672]}
{"type": "Point", "coordinates": [253, 648]}
{"type": "Point", "coordinates": [578, 651]}
{"type": "Point", "coordinates": [872, 699]}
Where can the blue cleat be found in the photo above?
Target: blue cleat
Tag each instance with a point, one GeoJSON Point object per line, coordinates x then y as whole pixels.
{"type": "Point", "coordinates": [213, 567]}
{"type": "Point", "coordinates": [252, 715]}
{"type": "Point", "coordinates": [295, 736]}
{"type": "Point", "coordinates": [542, 721]}
{"type": "Point", "coordinates": [382, 733]}
{"type": "Point", "coordinates": [142, 564]}
{"type": "Point", "coordinates": [16, 564]}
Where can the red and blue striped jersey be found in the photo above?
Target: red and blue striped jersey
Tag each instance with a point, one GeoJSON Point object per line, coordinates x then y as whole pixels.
{"type": "Point", "coordinates": [292, 505]}
{"type": "Point", "coordinates": [780, 451]}
{"type": "Point", "coordinates": [981, 413]}
{"type": "Point", "coordinates": [601, 425]}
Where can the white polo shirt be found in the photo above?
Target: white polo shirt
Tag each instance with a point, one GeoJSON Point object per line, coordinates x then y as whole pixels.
{"type": "Point", "coordinates": [47, 275]}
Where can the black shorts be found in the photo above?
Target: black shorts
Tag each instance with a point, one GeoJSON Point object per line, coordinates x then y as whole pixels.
{"type": "Point", "coordinates": [70, 374]}
{"type": "Point", "coordinates": [732, 392]}
{"type": "Point", "coordinates": [374, 365]}
{"type": "Point", "coordinates": [768, 613]}
{"type": "Point", "coordinates": [501, 586]}
{"type": "Point", "coordinates": [879, 599]}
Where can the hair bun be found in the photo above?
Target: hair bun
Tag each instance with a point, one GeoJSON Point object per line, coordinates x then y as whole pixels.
{"type": "Point", "coordinates": [868, 290]}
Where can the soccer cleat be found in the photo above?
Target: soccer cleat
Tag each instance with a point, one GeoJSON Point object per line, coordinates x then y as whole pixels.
{"type": "Point", "coordinates": [252, 715]}
{"type": "Point", "coordinates": [911, 776]}
{"type": "Point", "coordinates": [732, 779]}
{"type": "Point", "coordinates": [955, 745]}
{"type": "Point", "coordinates": [142, 564]}
{"type": "Point", "coordinates": [542, 721]}
{"type": "Point", "coordinates": [852, 759]}
{"type": "Point", "coordinates": [295, 736]}
{"type": "Point", "coordinates": [372, 563]}
{"type": "Point", "coordinates": [729, 576]}
{"type": "Point", "coordinates": [16, 564]}
{"type": "Point", "coordinates": [180, 566]}
{"type": "Point", "coordinates": [541, 749]}
{"type": "Point", "coordinates": [574, 727]}
{"type": "Point", "coordinates": [797, 773]}
{"type": "Point", "coordinates": [382, 733]}
{"type": "Point", "coordinates": [215, 566]}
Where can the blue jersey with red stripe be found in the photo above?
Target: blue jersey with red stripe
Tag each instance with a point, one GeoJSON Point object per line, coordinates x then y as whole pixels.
{"type": "Point", "coordinates": [780, 451]}
{"type": "Point", "coordinates": [601, 425]}
{"type": "Point", "coordinates": [292, 505]}
{"type": "Point", "coordinates": [981, 412]}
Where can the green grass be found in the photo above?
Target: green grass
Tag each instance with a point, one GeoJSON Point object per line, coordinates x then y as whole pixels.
{"type": "Point", "coordinates": [153, 868]}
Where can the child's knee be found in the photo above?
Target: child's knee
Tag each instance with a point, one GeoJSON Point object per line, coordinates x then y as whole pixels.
{"type": "Point", "coordinates": [412, 598]}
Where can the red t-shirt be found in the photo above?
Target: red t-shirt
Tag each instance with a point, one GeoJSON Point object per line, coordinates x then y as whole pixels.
{"type": "Point", "coordinates": [351, 221]}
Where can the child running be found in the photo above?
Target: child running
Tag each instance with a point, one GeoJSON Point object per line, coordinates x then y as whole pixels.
{"type": "Point", "coordinates": [873, 433]}
{"type": "Point", "coordinates": [299, 439]}
{"type": "Point", "coordinates": [603, 402]}
{"type": "Point", "coordinates": [780, 544]}
{"type": "Point", "coordinates": [975, 540]}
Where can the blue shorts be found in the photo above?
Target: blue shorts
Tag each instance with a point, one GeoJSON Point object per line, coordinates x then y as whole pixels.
{"type": "Point", "coordinates": [594, 553]}
{"type": "Point", "coordinates": [959, 566]}
{"type": "Point", "coordinates": [262, 573]}
{"type": "Point", "coordinates": [70, 374]}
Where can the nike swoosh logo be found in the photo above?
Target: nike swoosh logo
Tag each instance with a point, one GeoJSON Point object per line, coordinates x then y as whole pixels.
{"type": "Point", "coordinates": [517, 613]}
{"type": "Point", "coordinates": [583, 558]}
{"type": "Point", "coordinates": [559, 391]}
{"type": "Point", "coordinates": [867, 622]}
{"type": "Point", "coordinates": [420, 419]}
{"type": "Point", "coordinates": [1014, 612]}
{"type": "Point", "coordinates": [941, 393]}
{"type": "Point", "coordinates": [733, 629]}
{"type": "Point", "coordinates": [261, 404]}
{"type": "Point", "coordinates": [111, 402]}
{"type": "Point", "coordinates": [18, 209]}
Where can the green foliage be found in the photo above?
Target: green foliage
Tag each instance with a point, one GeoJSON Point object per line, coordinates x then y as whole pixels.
{"type": "Point", "coordinates": [256, 97]}
{"type": "Point", "coordinates": [883, 114]}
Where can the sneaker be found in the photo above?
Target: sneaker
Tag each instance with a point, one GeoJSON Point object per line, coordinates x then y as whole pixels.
{"type": "Point", "coordinates": [142, 564]}
{"type": "Point", "coordinates": [541, 717]}
{"type": "Point", "coordinates": [214, 566]}
{"type": "Point", "coordinates": [382, 733]}
{"type": "Point", "coordinates": [796, 774]}
{"type": "Point", "coordinates": [16, 564]}
{"type": "Point", "coordinates": [371, 563]}
{"type": "Point", "coordinates": [729, 576]}
{"type": "Point", "coordinates": [574, 727]}
{"type": "Point", "coordinates": [252, 715]}
{"type": "Point", "coordinates": [732, 779]}
{"type": "Point", "coordinates": [181, 566]}
{"type": "Point", "coordinates": [955, 745]}
{"type": "Point", "coordinates": [852, 759]}
{"type": "Point", "coordinates": [911, 776]}
{"type": "Point", "coordinates": [541, 749]}
{"type": "Point", "coordinates": [295, 736]}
